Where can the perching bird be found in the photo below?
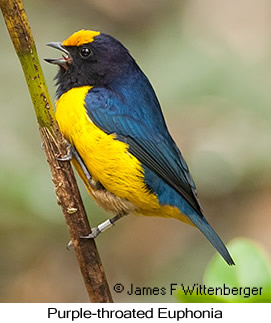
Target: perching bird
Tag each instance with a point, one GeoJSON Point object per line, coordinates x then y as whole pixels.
{"type": "Point", "coordinates": [108, 112]}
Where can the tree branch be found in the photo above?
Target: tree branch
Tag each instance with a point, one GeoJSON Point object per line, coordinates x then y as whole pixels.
{"type": "Point", "coordinates": [67, 192]}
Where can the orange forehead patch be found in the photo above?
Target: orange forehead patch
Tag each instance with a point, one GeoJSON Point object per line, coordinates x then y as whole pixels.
{"type": "Point", "coordinates": [81, 37]}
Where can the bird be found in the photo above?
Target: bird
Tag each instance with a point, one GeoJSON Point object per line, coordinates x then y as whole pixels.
{"type": "Point", "coordinates": [117, 137]}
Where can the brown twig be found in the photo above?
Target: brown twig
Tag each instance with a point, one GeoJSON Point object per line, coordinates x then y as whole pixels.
{"type": "Point", "coordinates": [54, 146]}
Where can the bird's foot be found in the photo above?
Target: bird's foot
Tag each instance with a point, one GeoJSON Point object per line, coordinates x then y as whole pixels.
{"type": "Point", "coordinates": [98, 230]}
{"type": "Point", "coordinates": [69, 245]}
{"type": "Point", "coordinates": [94, 234]}
{"type": "Point", "coordinates": [69, 154]}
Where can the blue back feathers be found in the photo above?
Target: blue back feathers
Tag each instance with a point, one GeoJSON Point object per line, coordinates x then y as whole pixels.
{"type": "Point", "coordinates": [128, 107]}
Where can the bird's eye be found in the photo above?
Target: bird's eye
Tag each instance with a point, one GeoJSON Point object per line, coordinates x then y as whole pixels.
{"type": "Point", "coordinates": [85, 52]}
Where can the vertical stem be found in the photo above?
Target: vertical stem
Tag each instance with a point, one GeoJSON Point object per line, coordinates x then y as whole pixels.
{"type": "Point", "coordinates": [67, 192]}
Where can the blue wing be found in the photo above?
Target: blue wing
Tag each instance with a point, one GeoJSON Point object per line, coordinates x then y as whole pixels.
{"type": "Point", "coordinates": [136, 119]}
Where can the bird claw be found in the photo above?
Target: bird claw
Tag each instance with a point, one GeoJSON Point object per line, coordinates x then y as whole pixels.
{"type": "Point", "coordinates": [69, 154]}
{"type": "Point", "coordinates": [69, 245]}
{"type": "Point", "coordinates": [94, 234]}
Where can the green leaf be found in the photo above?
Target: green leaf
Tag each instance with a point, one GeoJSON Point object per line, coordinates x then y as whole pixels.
{"type": "Point", "coordinates": [252, 270]}
{"type": "Point", "coordinates": [248, 281]}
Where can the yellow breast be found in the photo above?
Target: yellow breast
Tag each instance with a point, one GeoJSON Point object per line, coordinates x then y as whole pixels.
{"type": "Point", "coordinates": [108, 161]}
{"type": "Point", "coordinates": [106, 158]}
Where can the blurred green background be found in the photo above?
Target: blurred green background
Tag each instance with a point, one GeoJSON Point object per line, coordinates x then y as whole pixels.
{"type": "Point", "coordinates": [210, 64]}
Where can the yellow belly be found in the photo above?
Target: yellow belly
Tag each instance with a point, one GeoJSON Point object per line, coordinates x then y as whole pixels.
{"type": "Point", "coordinates": [107, 159]}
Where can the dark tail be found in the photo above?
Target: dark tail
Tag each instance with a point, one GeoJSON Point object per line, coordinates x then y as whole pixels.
{"type": "Point", "coordinates": [202, 224]}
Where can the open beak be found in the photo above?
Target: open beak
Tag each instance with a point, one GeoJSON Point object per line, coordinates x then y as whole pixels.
{"type": "Point", "coordinates": [63, 61]}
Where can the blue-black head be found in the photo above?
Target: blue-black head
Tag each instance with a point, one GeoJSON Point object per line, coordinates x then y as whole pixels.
{"type": "Point", "coordinates": [90, 58]}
